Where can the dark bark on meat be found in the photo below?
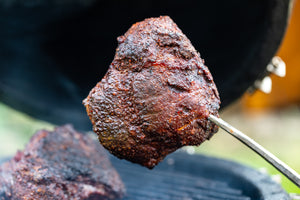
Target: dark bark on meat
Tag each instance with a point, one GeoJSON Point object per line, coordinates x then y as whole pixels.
{"type": "Point", "coordinates": [62, 165]}
{"type": "Point", "coordinates": [156, 95]}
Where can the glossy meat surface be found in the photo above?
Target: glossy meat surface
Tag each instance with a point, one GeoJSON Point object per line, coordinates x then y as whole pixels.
{"type": "Point", "coordinates": [63, 164]}
{"type": "Point", "coordinates": [156, 95]}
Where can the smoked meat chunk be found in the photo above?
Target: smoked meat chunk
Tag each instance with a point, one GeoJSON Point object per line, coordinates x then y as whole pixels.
{"type": "Point", "coordinates": [156, 95]}
{"type": "Point", "coordinates": [60, 165]}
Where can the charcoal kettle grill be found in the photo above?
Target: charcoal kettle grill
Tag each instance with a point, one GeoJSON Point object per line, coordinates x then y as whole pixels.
{"type": "Point", "coordinates": [197, 177]}
{"type": "Point", "coordinates": [53, 52]}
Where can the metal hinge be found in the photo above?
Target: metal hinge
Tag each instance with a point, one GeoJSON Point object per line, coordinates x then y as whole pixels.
{"type": "Point", "coordinates": [277, 67]}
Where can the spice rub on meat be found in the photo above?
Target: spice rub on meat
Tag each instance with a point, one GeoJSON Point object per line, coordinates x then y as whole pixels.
{"type": "Point", "coordinates": [156, 95]}
{"type": "Point", "coordinates": [62, 164]}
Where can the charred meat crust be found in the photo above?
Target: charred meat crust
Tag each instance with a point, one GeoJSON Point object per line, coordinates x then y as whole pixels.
{"type": "Point", "coordinates": [62, 164]}
{"type": "Point", "coordinates": [156, 95]}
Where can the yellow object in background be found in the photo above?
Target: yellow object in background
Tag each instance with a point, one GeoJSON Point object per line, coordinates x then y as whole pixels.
{"type": "Point", "coordinates": [285, 91]}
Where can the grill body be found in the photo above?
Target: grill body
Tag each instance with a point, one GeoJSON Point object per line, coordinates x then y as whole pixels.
{"type": "Point", "coordinates": [196, 177]}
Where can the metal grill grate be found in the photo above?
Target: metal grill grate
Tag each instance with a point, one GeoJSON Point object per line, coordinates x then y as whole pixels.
{"type": "Point", "coordinates": [195, 177]}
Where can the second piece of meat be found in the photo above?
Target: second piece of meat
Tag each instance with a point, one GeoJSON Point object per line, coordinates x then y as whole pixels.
{"type": "Point", "coordinates": [60, 165]}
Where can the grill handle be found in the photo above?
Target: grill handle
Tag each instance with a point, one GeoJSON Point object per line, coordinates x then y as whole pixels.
{"type": "Point", "coordinates": [269, 157]}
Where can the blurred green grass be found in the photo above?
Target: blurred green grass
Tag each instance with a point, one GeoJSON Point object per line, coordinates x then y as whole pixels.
{"type": "Point", "coordinates": [276, 131]}
{"type": "Point", "coordinates": [16, 129]}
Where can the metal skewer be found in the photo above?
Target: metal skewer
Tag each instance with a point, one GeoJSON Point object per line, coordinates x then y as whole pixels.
{"type": "Point", "coordinates": [269, 157]}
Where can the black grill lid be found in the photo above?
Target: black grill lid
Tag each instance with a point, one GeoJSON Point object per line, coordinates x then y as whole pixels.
{"type": "Point", "coordinates": [53, 52]}
{"type": "Point", "coordinates": [197, 177]}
